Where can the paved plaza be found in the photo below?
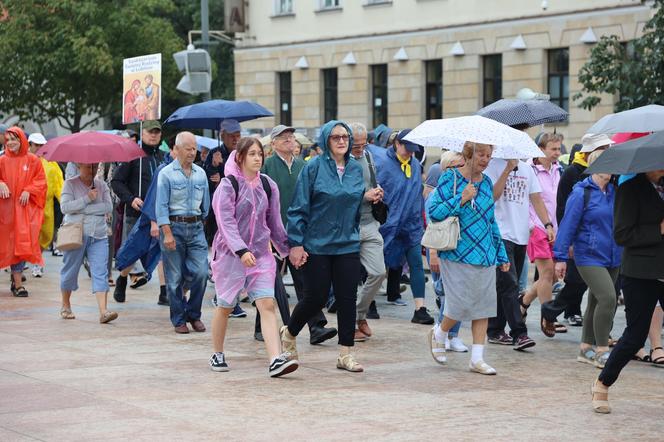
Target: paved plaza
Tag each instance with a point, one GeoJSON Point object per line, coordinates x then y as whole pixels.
{"type": "Point", "coordinates": [135, 379]}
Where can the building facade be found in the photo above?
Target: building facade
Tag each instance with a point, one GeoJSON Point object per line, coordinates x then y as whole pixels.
{"type": "Point", "coordinates": [400, 62]}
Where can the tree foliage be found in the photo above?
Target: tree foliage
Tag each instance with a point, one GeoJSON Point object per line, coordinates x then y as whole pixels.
{"type": "Point", "coordinates": [62, 59]}
{"type": "Point", "coordinates": [633, 71]}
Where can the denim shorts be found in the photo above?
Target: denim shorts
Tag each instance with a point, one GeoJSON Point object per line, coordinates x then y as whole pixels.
{"type": "Point", "coordinates": [253, 296]}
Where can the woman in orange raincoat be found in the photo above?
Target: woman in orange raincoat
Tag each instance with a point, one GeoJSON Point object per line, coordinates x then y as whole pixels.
{"type": "Point", "coordinates": [22, 199]}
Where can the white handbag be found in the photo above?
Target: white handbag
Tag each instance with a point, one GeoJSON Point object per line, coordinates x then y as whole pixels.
{"type": "Point", "coordinates": [443, 235]}
{"type": "Point", "coordinates": [70, 237]}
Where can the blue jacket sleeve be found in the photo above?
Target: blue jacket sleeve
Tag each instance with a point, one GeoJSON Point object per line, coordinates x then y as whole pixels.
{"type": "Point", "coordinates": [163, 195]}
{"type": "Point", "coordinates": [441, 207]}
{"type": "Point", "coordinates": [298, 211]}
{"type": "Point", "coordinates": [569, 225]}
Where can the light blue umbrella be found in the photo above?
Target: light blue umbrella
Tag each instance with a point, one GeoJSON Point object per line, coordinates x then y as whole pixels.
{"type": "Point", "coordinates": [207, 142]}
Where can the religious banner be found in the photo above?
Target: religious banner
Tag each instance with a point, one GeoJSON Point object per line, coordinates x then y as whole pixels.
{"type": "Point", "coordinates": [141, 77]}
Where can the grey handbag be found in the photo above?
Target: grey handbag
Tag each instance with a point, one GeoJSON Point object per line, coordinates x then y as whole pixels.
{"type": "Point", "coordinates": [70, 237]}
{"type": "Point", "coordinates": [443, 235]}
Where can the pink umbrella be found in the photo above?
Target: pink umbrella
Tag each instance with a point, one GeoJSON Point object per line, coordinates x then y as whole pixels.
{"type": "Point", "coordinates": [90, 148]}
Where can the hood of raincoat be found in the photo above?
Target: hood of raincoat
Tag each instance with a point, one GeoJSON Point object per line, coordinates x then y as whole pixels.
{"type": "Point", "coordinates": [232, 167]}
{"type": "Point", "coordinates": [15, 130]}
{"type": "Point", "coordinates": [325, 132]}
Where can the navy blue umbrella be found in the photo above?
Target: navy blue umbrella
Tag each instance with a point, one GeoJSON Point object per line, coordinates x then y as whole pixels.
{"type": "Point", "coordinates": [210, 114]}
{"type": "Point", "coordinates": [513, 112]}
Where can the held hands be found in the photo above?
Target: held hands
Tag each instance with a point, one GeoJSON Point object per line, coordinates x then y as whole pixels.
{"type": "Point", "coordinates": [468, 193]}
{"type": "Point", "coordinates": [4, 190]}
{"type": "Point", "coordinates": [137, 204]}
{"type": "Point", "coordinates": [504, 267]}
{"type": "Point", "coordinates": [92, 194]}
{"type": "Point", "coordinates": [248, 259]}
{"type": "Point", "coordinates": [298, 257]}
{"type": "Point", "coordinates": [23, 199]}
{"type": "Point", "coordinates": [561, 270]}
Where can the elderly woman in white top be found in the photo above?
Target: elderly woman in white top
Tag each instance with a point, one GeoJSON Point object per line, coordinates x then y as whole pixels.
{"type": "Point", "coordinates": [86, 199]}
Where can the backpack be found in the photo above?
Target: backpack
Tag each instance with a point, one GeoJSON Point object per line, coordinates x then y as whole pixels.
{"type": "Point", "coordinates": [266, 185]}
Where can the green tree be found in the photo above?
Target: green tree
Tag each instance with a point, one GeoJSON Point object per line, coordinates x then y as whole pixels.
{"type": "Point", "coordinates": [633, 71]}
{"type": "Point", "coordinates": [62, 59]}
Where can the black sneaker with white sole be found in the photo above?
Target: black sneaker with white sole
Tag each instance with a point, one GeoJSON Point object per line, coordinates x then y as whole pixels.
{"type": "Point", "coordinates": [218, 362]}
{"type": "Point", "coordinates": [282, 365]}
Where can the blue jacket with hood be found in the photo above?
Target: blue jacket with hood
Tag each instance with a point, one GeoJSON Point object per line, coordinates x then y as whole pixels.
{"type": "Point", "coordinates": [405, 224]}
{"type": "Point", "coordinates": [589, 229]}
{"type": "Point", "coordinates": [324, 215]}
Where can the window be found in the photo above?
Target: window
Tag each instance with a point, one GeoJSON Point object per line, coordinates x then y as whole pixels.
{"type": "Point", "coordinates": [330, 93]}
{"type": "Point", "coordinates": [329, 4]}
{"type": "Point", "coordinates": [379, 93]}
{"type": "Point", "coordinates": [285, 111]}
{"type": "Point", "coordinates": [434, 89]}
{"type": "Point", "coordinates": [492, 78]}
{"type": "Point", "coordinates": [559, 77]}
{"type": "Point", "coordinates": [282, 7]}
{"type": "Point", "coordinates": [376, 2]}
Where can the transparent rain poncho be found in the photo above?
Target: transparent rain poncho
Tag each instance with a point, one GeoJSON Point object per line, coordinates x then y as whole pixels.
{"type": "Point", "coordinates": [248, 221]}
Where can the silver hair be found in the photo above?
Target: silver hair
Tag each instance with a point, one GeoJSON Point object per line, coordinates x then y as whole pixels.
{"type": "Point", "coordinates": [358, 129]}
{"type": "Point", "coordinates": [179, 138]}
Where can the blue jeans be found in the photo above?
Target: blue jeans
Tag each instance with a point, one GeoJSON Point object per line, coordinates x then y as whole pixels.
{"type": "Point", "coordinates": [414, 260]}
{"type": "Point", "coordinates": [440, 292]}
{"type": "Point", "coordinates": [97, 252]}
{"type": "Point", "coordinates": [186, 267]}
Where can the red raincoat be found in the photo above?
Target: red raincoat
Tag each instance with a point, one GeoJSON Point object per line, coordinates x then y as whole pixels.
{"type": "Point", "coordinates": [20, 225]}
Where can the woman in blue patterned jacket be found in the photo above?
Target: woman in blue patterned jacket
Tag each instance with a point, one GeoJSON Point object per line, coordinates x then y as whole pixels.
{"type": "Point", "coordinates": [468, 272]}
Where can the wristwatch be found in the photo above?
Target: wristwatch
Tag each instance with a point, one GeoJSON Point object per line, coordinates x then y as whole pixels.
{"type": "Point", "coordinates": [546, 225]}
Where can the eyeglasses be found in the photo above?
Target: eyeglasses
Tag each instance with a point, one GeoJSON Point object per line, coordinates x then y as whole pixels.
{"type": "Point", "coordinates": [337, 138]}
{"type": "Point", "coordinates": [358, 146]}
{"type": "Point", "coordinates": [286, 137]}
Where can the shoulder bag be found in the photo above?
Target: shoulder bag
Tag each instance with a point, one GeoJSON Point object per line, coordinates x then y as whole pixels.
{"type": "Point", "coordinates": [70, 237]}
{"type": "Point", "coordinates": [443, 235]}
{"type": "Point", "coordinates": [378, 210]}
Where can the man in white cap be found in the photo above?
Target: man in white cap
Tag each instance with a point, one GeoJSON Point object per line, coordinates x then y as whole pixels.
{"type": "Point", "coordinates": [54, 181]}
{"type": "Point", "coordinates": [569, 298]}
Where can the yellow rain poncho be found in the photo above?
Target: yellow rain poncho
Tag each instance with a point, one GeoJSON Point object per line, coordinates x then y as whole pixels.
{"type": "Point", "coordinates": [55, 182]}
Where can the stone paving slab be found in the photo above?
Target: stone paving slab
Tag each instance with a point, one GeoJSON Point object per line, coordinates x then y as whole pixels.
{"type": "Point", "coordinates": [136, 379]}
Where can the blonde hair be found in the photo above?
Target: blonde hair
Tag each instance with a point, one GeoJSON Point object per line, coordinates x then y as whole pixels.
{"type": "Point", "coordinates": [469, 147]}
{"type": "Point", "coordinates": [448, 157]}
{"type": "Point", "coordinates": [594, 155]}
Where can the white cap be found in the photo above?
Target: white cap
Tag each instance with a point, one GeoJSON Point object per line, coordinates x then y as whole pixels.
{"type": "Point", "coordinates": [593, 141]}
{"type": "Point", "coordinates": [230, 126]}
{"type": "Point", "coordinates": [36, 138]}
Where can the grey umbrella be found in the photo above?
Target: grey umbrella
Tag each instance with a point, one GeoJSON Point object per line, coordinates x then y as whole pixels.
{"type": "Point", "coordinates": [513, 112]}
{"type": "Point", "coordinates": [644, 154]}
{"type": "Point", "coordinates": [648, 118]}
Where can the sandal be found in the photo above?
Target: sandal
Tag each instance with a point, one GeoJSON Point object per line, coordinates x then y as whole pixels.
{"type": "Point", "coordinates": [66, 313]}
{"type": "Point", "coordinates": [347, 362]}
{"type": "Point", "coordinates": [524, 307]}
{"type": "Point", "coordinates": [658, 362]}
{"type": "Point", "coordinates": [548, 328]}
{"type": "Point", "coordinates": [139, 281]}
{"type": "Point", "coordinates": [20, 292]}
{"type": "Point", "coordinates": [601, 404]}
{"type": "Point", "coordinates": [560, 328]}
{"type": "Point", "coordinates": [111, 282]}
{"type": "Point", "coordinates": [107, 317]}
{"type": "Point", "coordinates": [644, 358]}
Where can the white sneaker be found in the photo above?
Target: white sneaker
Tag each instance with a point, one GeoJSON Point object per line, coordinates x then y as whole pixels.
{"type": "Point", "coordinates": [455, 344]}
{"type": "Point", "coordinates": [481, 367]}
{"type": "Point", "coordinates": [436, 347]}
{"type": "Point", "coordinates": [37, 271]}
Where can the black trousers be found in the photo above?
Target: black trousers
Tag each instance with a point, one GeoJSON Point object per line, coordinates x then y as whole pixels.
{"type": "Point", "coordinates": [641, 296]}
{"type": "Point", "coordinates": [342, 273]}
{"type": "Point", "coordinates": [394, 283]}
{"type": "Point", "coordinates": [281, 297]}
{"type": "Point", "coordinates": [507, 288]}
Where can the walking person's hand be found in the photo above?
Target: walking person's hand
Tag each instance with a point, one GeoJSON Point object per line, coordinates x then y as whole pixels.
{"type": "Point", "coordinates": [248, 259]}
{"type": "Point", "coordinates": [23, 199]}
{"type": "Point", "coordinates": [215, 178]}
{"type": "Point", "coordinates": [561, 270]}
{"type": "Point", "coordinates": [511, 165]}
{"type": "Point", "coordinates": [137, 204]}
{"type": "Point", "coordinates": [468, 193]}
{"type": "Point", "coordinates": [169, 241]}
{"type": "Point", "coordinates": [92, 194]}
{"type": "Point", "coordinates": [297, 256]}
{"type": "Point", "coordinates": [434, 261]}
{"type": "Point", "coordinates": [505, 267]}
{"type": "Point", "coordinates": [4, 190]}
{"type": "Point", "coordinates": [154, 229]}
{"type": "Point", "coordinates": [372, 195]}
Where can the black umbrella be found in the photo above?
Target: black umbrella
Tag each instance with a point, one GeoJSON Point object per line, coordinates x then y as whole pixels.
{"type": "Point", "coordinates": [644, 154]}
{"type": "Point", "coordinates": [513, 112]}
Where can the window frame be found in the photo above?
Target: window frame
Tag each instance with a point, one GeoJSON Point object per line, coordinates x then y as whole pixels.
{"type": "Point", "coordinates": [436, 111]}
{"type": "Point", "coordinates": [562, 77]}
{"type": "Point", "coordinates": [496, 81]}
{"type": "Point", "coordinates": [279, 10]}
{"type": "Point", "coordinates": [383, 88]}
{"type": "Point", "coordinates": [285, 96]}
{"type": "Point", "coordinates": [330, 93]}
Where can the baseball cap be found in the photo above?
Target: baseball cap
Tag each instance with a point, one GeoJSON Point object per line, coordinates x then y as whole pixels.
{"type": "Point", "coordinates": [410, 146]}
{"type": "Point", "coordinates": [278, 130]}
{"type": "Point", "coordinates": [592, 141]}
{"type": "Point", "coordinates": [230, 126]}
{"type": "Point", "coordinates": [36, 138]}
{"type": "Point", "coordinates": [151, 125]}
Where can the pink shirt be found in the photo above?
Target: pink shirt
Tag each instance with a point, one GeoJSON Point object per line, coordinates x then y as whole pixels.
{"type": "Point", "coordinates": [548, 180]}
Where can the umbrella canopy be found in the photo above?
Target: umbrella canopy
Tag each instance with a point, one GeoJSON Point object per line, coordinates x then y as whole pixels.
{"type": "Point", "coordinates": [210, 114]}
{"type": "Point", "coordinates": [641, 119]}
{"type": "Point", "coordinates": [207, 142]}
{"type": "Point", "coordinates": [452, 133]}
{"type": "Point", "coordinates": [643, 154]}
{"type": "Point", "coordinates": [91, 148]}
{"type": "Point", "coordinates": [513, 112]}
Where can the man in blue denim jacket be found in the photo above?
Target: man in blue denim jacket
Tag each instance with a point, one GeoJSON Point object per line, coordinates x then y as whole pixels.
{"type": "Point", "coordinates": [183, 201]}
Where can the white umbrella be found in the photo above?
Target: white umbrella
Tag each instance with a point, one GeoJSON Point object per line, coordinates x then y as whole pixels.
{"type": "Point", "coordinates": [452, 133]}
{"type": "Point", "coordinates": [648, 118]}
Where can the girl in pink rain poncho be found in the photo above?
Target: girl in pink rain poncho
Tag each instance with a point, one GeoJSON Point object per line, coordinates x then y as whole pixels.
{"type": "Point", "coordinates": [248, 220]}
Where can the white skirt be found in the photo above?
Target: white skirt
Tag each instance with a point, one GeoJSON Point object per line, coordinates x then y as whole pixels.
{"type": "Point", "coordinates": [470, 290]}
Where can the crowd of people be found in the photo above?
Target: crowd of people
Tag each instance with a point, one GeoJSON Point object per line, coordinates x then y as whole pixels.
{"type": "Point", "coordinates": [343, 218]}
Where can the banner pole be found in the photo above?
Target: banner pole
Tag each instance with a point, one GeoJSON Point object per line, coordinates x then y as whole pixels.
{"type": "Point", "coordinates": [140, 160]}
